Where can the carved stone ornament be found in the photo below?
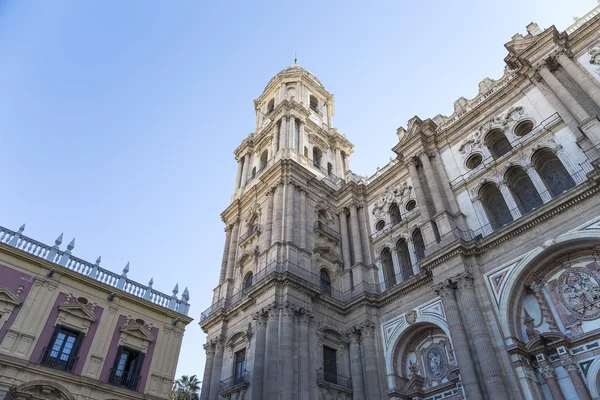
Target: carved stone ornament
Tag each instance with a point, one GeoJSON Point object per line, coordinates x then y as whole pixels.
{"type": "Point", "coordinates": [435, 362]}
{"type": "Point", "coordinates": [472, 143]}
{"type": "Point", "coordinates": [595, 58]}
{"type": "Point", "coordinates": [580, 293]}
{"type": "Point", "coordinates": [411, 317]}
{"type": "Point", "coordinates": [513, 115]}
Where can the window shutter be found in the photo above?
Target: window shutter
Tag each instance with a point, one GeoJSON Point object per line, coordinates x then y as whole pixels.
{"type": "Point", "coordinates": [75, 351]}
{"type": "Point", "coordinates": [139, 364]}
{"type": "Point", "coordinates": [117, 358]}
{"type": "Point", "coordinates": [51, 343]}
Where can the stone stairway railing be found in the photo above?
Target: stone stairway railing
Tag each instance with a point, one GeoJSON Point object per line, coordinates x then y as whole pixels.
{"type": "Point", "coordinates": [65, 259]}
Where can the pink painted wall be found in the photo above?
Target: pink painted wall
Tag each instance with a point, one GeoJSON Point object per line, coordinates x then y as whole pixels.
{"type": "Point", "coordinates": [12, 279]}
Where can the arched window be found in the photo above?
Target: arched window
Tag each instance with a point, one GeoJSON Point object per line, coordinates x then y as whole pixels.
{"type": "Point", "coordinates": [404, 259]}
{"type": "Point", "coordinates": [497, 143]}
{"type": "Point", "coordinates": [317, 156]}
{"type": "Point", "coordinates": [389, 276]}
{"type": "Point", "coordinates": [522, 189]}
{"type": "Point", "coordinates": [523, 128]}
{"type": "Point", "coordinates": [552, 171]}
{"type": "Point", "coordinates": [248, 281]}
{"type": "Point", "coordinates": [329, 168]}
{"type": "Point", "coordinates": [314, 103]}
{"type": "Point", "coordinates": [394, 214]}
{"type": "Point", "coordinates": [494, 205]}
{"type": "Point", "coordinates": [264, 157]}
{"type": "Point", "coordinates": [380, 225]}
{"type": "Point", "coordinates": [270, 106]}
{"type": "Point", "coordinates": [411, 205]}
{"type": "Point", "coordinates": [419, 244]}
{"type": "Point", "coordinates": [325, 282]}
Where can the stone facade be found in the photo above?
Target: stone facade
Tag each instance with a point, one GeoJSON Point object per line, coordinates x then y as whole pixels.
{"type": "Point", "coordinates": [468, 267]}
{"type": "Point", "coordinates": [70, 329]}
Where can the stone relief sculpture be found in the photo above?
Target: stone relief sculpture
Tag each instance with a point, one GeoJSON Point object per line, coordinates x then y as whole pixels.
{"type": "Point", "coordinates": [393, 193]}
{"type": "Point", "coordinates": [595, 58]}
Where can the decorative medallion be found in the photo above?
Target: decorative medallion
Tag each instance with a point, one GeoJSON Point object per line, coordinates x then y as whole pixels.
{"type": "Point", "coordinates": [434, 361]}
{"type": "Point", "coordinates": [580, 293]}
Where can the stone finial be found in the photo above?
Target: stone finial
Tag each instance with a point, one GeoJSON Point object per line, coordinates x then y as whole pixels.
{"type": "Point", "coordinates": [151, 282]}
{"type": "Point", "coordinates": [98, 260]}
{"type": "Point", "coordinates": [533, 29]}
{"type": "Point", "coordinates": [58, 240]}
{"type": "Point", "coordinates": [186, 295]}
{"type": "Point", "coordinates": [22, 228]}
{"type": "Point", "coordinates": [71, 245]}
{"type": "Point", "coordinates": [126, 269]}
{"type": "Point", "coordinates": [176, 289]}
{"type": "Point", "coordinates": [148, 294]}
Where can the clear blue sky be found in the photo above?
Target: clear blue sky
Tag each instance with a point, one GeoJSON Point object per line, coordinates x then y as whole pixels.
{"type": "Point", "coordinates": [118, 119]}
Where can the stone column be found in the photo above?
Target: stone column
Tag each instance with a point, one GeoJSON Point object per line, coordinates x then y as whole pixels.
{"type": "Point", "coordinates": [421, 201]}
{"type": "Point", "coordinates": [369, 350]}
{"type": "Point", "coordinates": [364, 236]}
{"type": "Point", "coordinates": [304, 356]}
{"type": "Point", "coordinates": [358, 383]}
{"type": "Point", "coordinates": [338, 162]}
{"type": "Point", "coordinates": [258, 373]}
{"type": "Point", "coordinates": [216, 370]}
{"type": "Point", "coordinates": [225, 258]}
{"type": "Point", "coordinates": [563, 94]}
{"type": "Point", "coordinates": [272, 372]}
{"type": "Point", "coordinates": [548, 373]}
{"type": "Point", "coordinates": [459, 340]}
{"type": "Point", "coordinates": [345, 240]}
{"type": "Point", "coordinates": [292, 133]}
{"type": "Point", "coordinates": [289, 213]}
{"type": "Point", "coordinates": [238, 177]}
{"type": "Point", "coordinates": [268, 224]}
{"type": "Point", "coordinates": [413, 256]}
{"type": "Point", "coordinates": [538, 183]}
{"type": "Point", "coordinates": [445, 182]}
{"type": "Point", "coordinates": [233, 248]}
{"type": "Point", "coordinates": [509, 200]}
{"type": "Point", "coordinates": [301, 139]}
{"type": "Point", "coordinates": [480, 336]}
{"type": "Point", "coordinates": [208, 368]}
{"type": "Point", "coordinates": [434, 189]}
{"type": "Point", "coordinates": [397, 269]}
{"type": "Point", "coordinates": [245, 170]}
{"type": "Point", "coordinates": [571, 367]}
{"type": "Point", "coordinates": [355, 234]}
{"type": "Point", "coordinates": [486, 228]}
{"type": "Point", "coordinates": [302, 228]}
{"type": "Point", "coordinates": [277, 213]}
{"type": "Point", "coordinates": [585, 82]}
{"type": "Point", "coordinates": [283, 139]}
{"type": "Point", "coordinates": [274, 143]}
{"type": "Point", "coordinates": [287, 352]}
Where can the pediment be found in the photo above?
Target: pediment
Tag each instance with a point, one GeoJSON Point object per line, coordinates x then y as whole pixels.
{"type": "Point", "coordinates": [415, 384]}
{"type": "Point", "coordinates": [137, 331]}
{"type": "Point", "coordinates": [78, 310]}
{"type": "Point", "coordinates": [6, 296]}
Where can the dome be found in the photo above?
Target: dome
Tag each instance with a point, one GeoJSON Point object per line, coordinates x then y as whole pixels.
{"type": "Point", "coordinates": [295, 68]}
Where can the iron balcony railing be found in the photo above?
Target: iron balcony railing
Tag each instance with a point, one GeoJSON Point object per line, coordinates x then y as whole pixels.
{"type": "Point", "coordinates": [238, 380]}
{"type": "Point", "coordinates": [253, 229]}
{"type": "Point", "coordinates": [125, 379]}
{"type": "Point", "coordinates": [333, 377]}
{"type": "Point", "coordinates": [327, 230]}
{"type": "Point", "coordinates": [47, 360]}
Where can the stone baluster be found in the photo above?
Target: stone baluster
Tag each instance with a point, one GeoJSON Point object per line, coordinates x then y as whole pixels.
{"type": "Point", "coordinates": [446, 291]}
{"type": "Point", "coordinates": [573, 370]}
{"type": "Point", "coordinates": [304, 355]}
{"type": "Point", "coordinates": [358, 383]}
{"type": "Point", "coordinates": [268, 224]}
{"type": "Point", "coordinates": [369, 351]}
{"type": "Point", "coordinates": [585, 82]}
{"type": "Point", "coordinates": [272, 372]}
{"type": "Point", "coordinates": [208, 368]}
{"type": "Point", "coordinates": [548, 373]}
{"type": "Point", "coordinates": [233, 248]}
{"type": "Point", "coordinates": [356, 241]}
{"type": "Point", "coordinates": [258, 373]}
{"type": "Point", "coordinates": [538, 291]}
{"type": "Point", "coordinates": [223, 273]}
{"type": "Point", "coordinates": [345, 239]}
{"type": "Point", "coordinates": [481, 338]}
{"type": "Point", "coordinates": [302, 229]}
{"type": "Point", "coordinates": [287, 352]}
{"type": "Point", "coordinates": [432, 183]}
{"type": "Point", "coordinates": [215, 379]}
{"type": "Point", "coordinates": [277, 213]}
{"type": "Point", "coordinates": [510, 200]}
{"type": "Point", "coordinates": [289, 212]}
{"type": "Point", "coordinates": [538, 183]}
{"type": "Point", "coordinates": [563, 94]}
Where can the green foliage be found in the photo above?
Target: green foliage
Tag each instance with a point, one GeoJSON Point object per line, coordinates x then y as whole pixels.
{"type": "Point", "coordinates": [186, 388]}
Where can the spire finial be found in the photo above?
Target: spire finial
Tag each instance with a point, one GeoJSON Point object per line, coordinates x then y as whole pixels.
{"type": "Point", "coordinates": [295, 58]}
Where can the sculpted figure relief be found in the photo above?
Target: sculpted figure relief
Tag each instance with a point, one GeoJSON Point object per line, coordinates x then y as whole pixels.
{"type": "Point", "coordinates": [595, 59]}
{"type": "Point", "coordinates": [580, 292]}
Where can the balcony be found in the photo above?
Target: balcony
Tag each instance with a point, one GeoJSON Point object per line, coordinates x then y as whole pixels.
{"type": "Point", "coordinates": [125, 379]}
{"type": "Point", "coordinates": [234, 384]}
{"type": "Point", "coordinates": [321, 227]}
{"type": "Point", "coordinates": [250, 233]}
{"type": "Point", "coordinates": [336, 385]}
{"type": "Point", "coordinates": [56, 363]}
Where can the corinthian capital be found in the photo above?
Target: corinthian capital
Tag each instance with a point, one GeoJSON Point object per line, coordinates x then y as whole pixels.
{"type": "Point", "coordinates": [367, 329]}
{"type": "Point", "coordinates": [547, 372]}
{"type": "Point", "coordinates": [445, 289]}
{"type": "Point", "coordinates": [464, 281]}
{"type": "Point", "coordinates": [569, 365]}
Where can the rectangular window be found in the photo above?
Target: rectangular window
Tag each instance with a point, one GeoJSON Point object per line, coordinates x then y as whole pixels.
{"type": "Point", "coordinates": [62, 350]}
{"type": "Point", "coordinates": [330, 364]}
{"type": "Point", "coordinates": [240, 365]}
{"type": "Point", "coordinates": [127, 368]}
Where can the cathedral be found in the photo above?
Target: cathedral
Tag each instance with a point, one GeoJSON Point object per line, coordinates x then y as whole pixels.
{"type": "Point", "coordinates": [466, 268]}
